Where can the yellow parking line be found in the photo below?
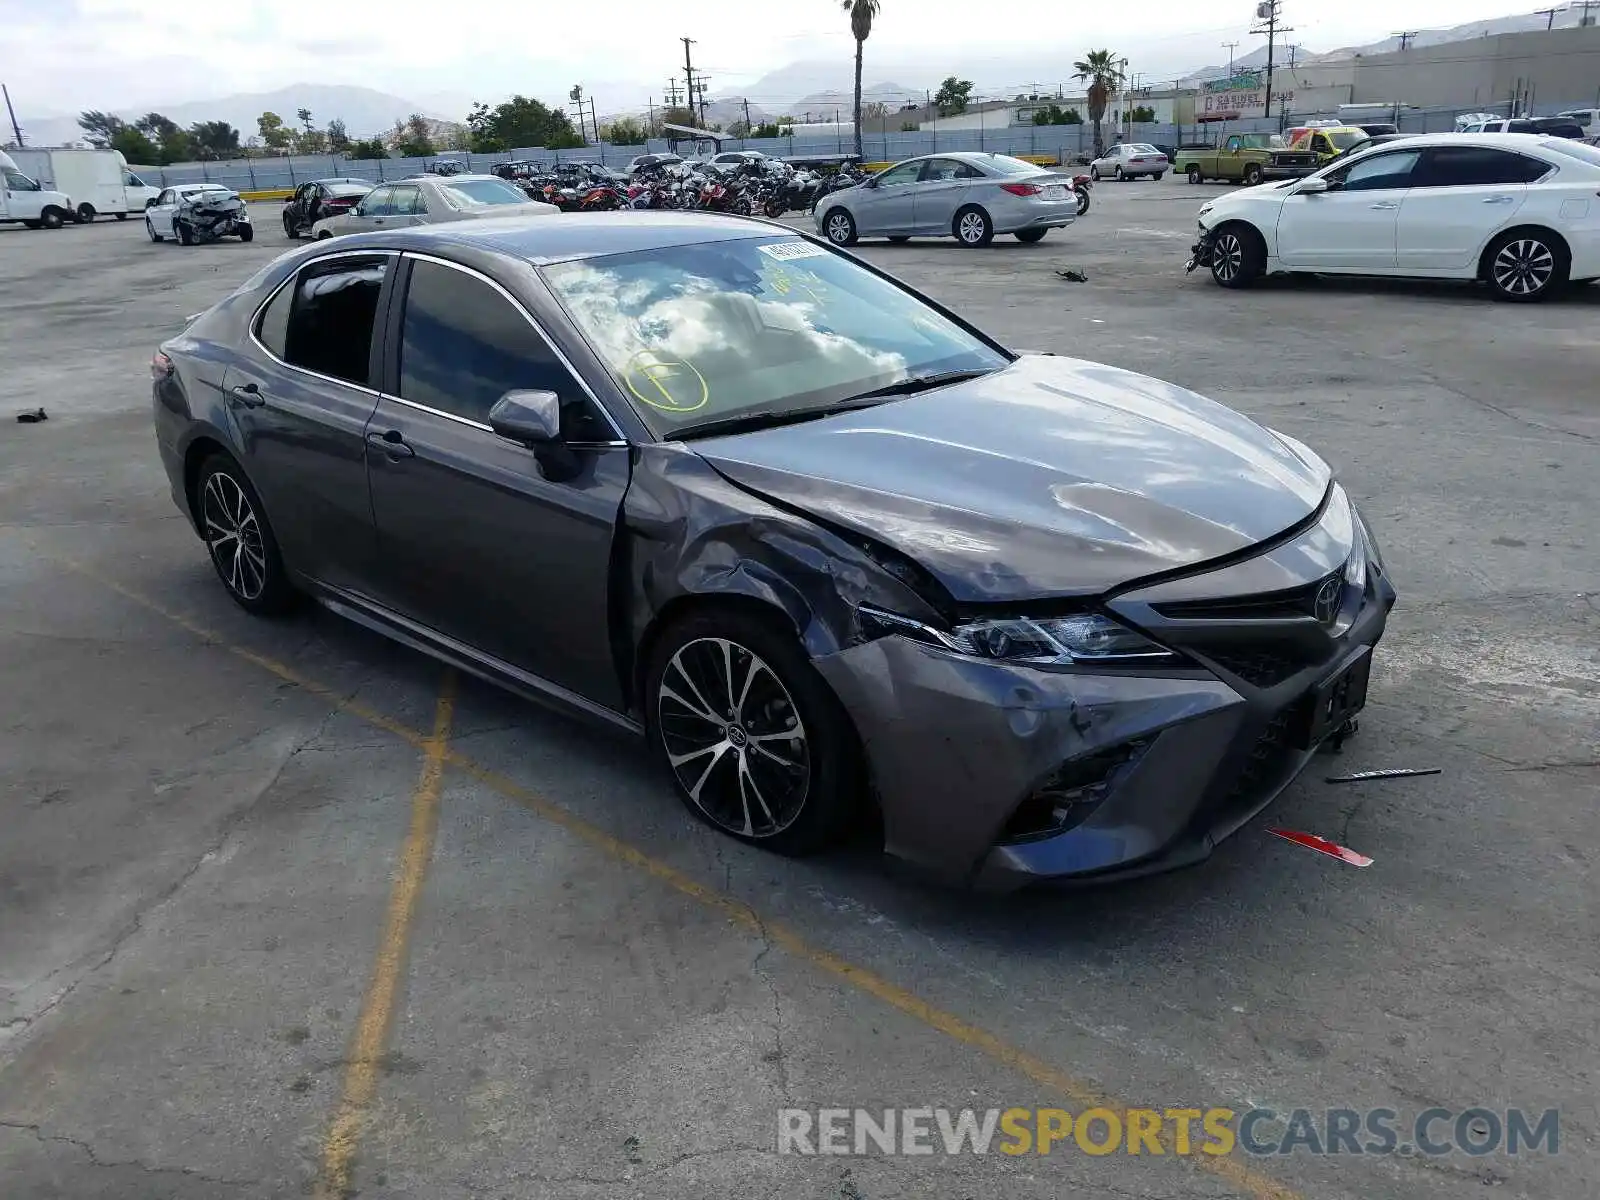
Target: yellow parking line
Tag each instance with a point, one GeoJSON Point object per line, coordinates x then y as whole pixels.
{"type": "Point", "coordinates": [371, 1038]}
{"type": "Point", "coordinates": [1231, 1169]}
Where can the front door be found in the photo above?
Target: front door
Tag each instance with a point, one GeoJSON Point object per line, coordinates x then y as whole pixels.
{"type": "Point", "coordinates": [1461, 196]}
{"type": "Point", "coordinates": [943, 188]}
{"type": "Point", "coordinates": [480, 540]}
{"type": "Point", "coordinates": [373, 212]}
{"type": "Point", "coordinates": [889, 205]}
{"type": "Point", "coordinates": [301, 409]}
{"type": "Point", "coordinates": [1351, 226]}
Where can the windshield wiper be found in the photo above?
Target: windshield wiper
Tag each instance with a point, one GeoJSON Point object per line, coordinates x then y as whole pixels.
{"type": "Point", "coordinates": [759, 420]}
{"type": "Point", "coordinates": [919, 383]}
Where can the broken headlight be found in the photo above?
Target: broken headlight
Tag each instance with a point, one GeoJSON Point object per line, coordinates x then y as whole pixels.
{"type": "Point", "coordinates": [1081, 638]}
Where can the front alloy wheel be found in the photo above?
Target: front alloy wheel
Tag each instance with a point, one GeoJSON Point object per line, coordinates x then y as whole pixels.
{"type": "Point", "coordinates": [1235, 258]}
{"type": "Point", "coordinates": [239, 538]}
{"type": "Point", "coordinates": [840, 228]}
{"type": "Point", "coordinates": [1523, 267]}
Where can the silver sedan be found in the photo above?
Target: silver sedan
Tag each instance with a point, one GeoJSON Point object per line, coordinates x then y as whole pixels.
{"type": "Point", "coordinates": [1129, 160]}
{"type": "Point", "coordinates": [428, 199]}
{"type": "Point", "coordinates": [970, 197]}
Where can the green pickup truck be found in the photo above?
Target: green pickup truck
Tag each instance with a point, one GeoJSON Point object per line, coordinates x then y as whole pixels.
{"type": "Point", "coordinates": [1248, 158]}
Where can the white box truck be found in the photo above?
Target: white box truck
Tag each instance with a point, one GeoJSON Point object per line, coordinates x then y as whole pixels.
{"type": "Point", "coordinates": [25, 200]}
{"type": "Point", "coordinates": [97, 180]}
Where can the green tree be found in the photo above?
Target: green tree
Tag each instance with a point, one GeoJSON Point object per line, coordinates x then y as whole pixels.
{"type": "Point", "coordinates": [214, 139]}
{"type": "Point", "coordinates": [173, 142]}
{"type": "Point", "coordinates": [625, 131]}
{"type": "Point", "coordinates": [1142, 114]}
{"type": "Point", "coordinates": [909, 126]}
{"type": "Point", "coordinates": [273, 134]}
{"type": "Point", "coordinates": [303, 115]}
{"type": "Point", "coordinates": [519, 122]}
{"type": "Point", "coordinates": [99, 127]}
{"type": "Point", "coordinates": [1103, 71]}
{"type": "Point", "coordinates": [338, 138]}
{"type": "Point", "coordinates": [767, 129]}
{"type": "Point", "coordinates": [136, 146]}
{"type": "Point", "coordinates": [310, 141]}
{"type": "Point", "coordinates": [952, 96]}
{"type": "Point", "coordinates": [412, 137]}
{"type": "Point", "coordinates": [367, 148]}
{"type": "Point", "coordinates": [862, 13]}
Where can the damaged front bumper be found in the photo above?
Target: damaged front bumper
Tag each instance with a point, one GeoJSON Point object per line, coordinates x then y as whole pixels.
{"type": "Point", "coordinates": [1200, 252]}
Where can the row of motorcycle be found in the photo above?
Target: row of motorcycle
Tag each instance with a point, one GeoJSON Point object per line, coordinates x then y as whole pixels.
{"type": "Point", "coordinates": [766, 187]}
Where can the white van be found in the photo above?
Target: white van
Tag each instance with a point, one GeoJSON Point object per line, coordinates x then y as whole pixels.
{"type": "Point", "coordinates": [24, 200]}
{"type": "Point", "coordinates": [95, 179]}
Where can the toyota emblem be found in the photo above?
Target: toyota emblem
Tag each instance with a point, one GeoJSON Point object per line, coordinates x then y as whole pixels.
{"type": "Point", "coordinates": [1326, 605]}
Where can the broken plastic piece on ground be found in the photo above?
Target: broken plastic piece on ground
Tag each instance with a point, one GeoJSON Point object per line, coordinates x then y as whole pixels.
{"type": "Point", "coordinates": [32, 417]}
{"type": "Point", "coordinates": [1072, 276]}
{"type": "Point", "coordinates": [1323, 846]}
{"type": "Point", "coordinates": [1386, 773]}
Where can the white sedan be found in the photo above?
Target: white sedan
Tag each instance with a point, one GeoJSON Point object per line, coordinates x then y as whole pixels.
{"type": "Point", "coordinates": [159, 213]}
{"type": "Point", "coordinates": [1518, 211]}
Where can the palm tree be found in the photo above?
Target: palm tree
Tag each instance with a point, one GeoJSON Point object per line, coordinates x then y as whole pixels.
{"type": "Point", "coordinates": [1103, 70]}
{"type": "Point", "coordinates": [861, 14]}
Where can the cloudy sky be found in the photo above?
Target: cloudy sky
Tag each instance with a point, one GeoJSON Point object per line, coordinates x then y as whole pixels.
{"type": "Point", "coordinates": [60, 56]}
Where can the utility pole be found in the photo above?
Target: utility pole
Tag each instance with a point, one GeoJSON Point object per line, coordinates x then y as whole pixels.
{"type": "Point", "coordinates": [688, 75]}
{"type": "Point", "coordinates": [650, 130]}
{"type": "Point", "coordinates": [1584, 18]}
{"type": "Point", "coordinates": [1230, 47]}
{"type": "Point", "coordinates": [1269, 13]}
{"type": "Point", "coordinates": [1407, 38]}
{"type": "Point", "coordinates": [12, 113]}
{"type": "Point", "coordinates": [746, 103]}
{"type": "Point", "coordinates": [1549, 14]}
{"type": "Point", "coordinates": [673, 96]}
{"type": "Point", "coordinates": [700, 87]}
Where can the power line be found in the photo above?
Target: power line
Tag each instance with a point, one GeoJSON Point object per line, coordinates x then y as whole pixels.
{"type": "Point", "coordinates": [1230, 47]}
{"type": "Point", "coordinates": [1549, 14]}
{"type": "Point", "coordinates": [1270, 12]}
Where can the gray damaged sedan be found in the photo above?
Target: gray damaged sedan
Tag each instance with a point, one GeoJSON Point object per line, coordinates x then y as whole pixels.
{"type": "Point", "coordinates": [970, 197]}
{"type": "Point", "coordinates": [831, 549]}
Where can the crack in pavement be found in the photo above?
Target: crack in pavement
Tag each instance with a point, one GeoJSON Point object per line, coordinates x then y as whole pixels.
{"type": "Point", "coordinates": [669, 1165]}
{"type": "Point", "coordinates": [95, 1159]}
{"type": "Point", "coordinates": [776, 1055]}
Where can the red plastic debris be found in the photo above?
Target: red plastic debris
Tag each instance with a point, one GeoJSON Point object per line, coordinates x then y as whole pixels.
{"type": "Point", "coordinates": [1323, 846]}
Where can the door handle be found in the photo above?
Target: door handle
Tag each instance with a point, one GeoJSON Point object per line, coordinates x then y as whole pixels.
{"type": "Point", "coordinates": [1497, 199]}
{"type": "Point", "coordinates": [248, 394]}
{"type": "Point", "coordinates": [1383, 205]}
{"type": "Point", "coordinates": [392, 442]}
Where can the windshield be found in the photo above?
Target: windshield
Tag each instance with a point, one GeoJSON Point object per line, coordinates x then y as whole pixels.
{"type": "Point", "coordinates": [1343, 139]}
{"type": "Point", "coordinates": [754, 327]}
{"type": "Point", "coordinates": [482, 191]}
{"type": "Point", "coordinates": [17, 181]}
{"type": "Point", "coordinates": [1006, 165]}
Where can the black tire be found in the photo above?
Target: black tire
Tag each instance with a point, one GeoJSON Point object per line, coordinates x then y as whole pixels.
{"type": "Point", "coordinates": [150, 228]}
{"type": "Point", "coordinates": [52, 218]}
{"type": "Point", "coordinates": [1238, 256]}
{"type": "Point", "coordinates": [1158, 176]}
{"type": "Point", "coordinates": [972, 227]}
{"type": "Point", "coordinates": [839, 227]}
{"type": "Point", "coordinates": [33, 224]}
{"type": "Point", "coordinates": [121, 216]}
{"type": "Point", "coordinates": [247, 234]}
{"type": "Point", "coordinates": [85, 213]}
{"type": "Point", "coordinates": [1083, 201]}
{"type": "Point", "coordinates": [289, 229]}
{"type": "Point", "coordinates": [1031, 235]}
{"type": "Point", "coordinates": [1120, 177]}
{"type": "Point", "coordinates": [1094, 172]}
{"type": "Point", "coordinates": [1252, 174]}
{"type": "Point", "coordinates": [1525, 266]}
{"type": "Point", "coordinates": [248, 564]}
{"type": "Point", "coordinates": [814, 780]}
{"type": "Point", "coordinates": [323, 236]}
{"type": "Point", "coordinates": [1196, 175]}
{"type": "Point", "coordinates": [184, 234]}
{"type": "Point", "coordinates": [899, 239]}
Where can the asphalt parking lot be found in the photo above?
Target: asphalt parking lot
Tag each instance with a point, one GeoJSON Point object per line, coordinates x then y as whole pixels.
{"type": "Point", "coordinates": [286, 909]}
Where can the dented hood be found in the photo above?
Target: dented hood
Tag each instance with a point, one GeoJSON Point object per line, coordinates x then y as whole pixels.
{"type": "Point", "coordinates": [1052, 477]}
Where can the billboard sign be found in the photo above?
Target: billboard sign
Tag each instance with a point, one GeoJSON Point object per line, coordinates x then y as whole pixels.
{"type": "Point", "coordinates": [1243, 96]}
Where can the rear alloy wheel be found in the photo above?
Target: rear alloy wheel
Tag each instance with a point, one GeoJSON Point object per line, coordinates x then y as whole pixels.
{"type": "Point", "coordinates": [239, 539]}
{"type": "Point", "coordinates": [757, 745]}
{"type": "Point", "coordinates": [973, 228]}
{"type": "Point", "coordinates": [840, 227]}
{"type": "Point", "coordinates": [1526, 265]}
{"type": "Point", "coordinates": [1031, 235]}
{"type": "Point", "coordinates": [1196, 175]}
{"type": "Point", "coordinates": [1236, 257]}
{"type": "Point", "coordinates": [1118, 173]}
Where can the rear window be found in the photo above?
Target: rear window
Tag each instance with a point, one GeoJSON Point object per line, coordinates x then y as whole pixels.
{"type": "Point", "coordinates": [1581, 151]}
{"type": "Point", "coordinates": [483, 191]}
{"type": "Point", "coordinates": [1006, 165]}
{"type": "Point", "coordinates": [349, 189]}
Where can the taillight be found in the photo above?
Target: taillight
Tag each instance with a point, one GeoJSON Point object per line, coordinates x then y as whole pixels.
{"type": "Point", "coordinates": [1022, 189]}
{"type": "Point", "coordinates": [160, 366]}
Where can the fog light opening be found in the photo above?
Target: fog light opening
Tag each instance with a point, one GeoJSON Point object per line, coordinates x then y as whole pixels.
{"type": "Point", "coordinates": [1071, 793]}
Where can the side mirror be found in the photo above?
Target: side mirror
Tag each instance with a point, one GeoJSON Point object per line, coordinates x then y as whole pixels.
{"type": "Point", "coordinates": [871, 181]}
{"type": "Point", "coordinates": [530, 417]}
{"type": "Point", "coordinates": [1313, 187]}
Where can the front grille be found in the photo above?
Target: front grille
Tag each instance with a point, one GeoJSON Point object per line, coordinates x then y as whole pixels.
{"type": "Point", "coordinates": [1268, 758]}
{"type": "Point", "coordinates": [1260, 668]}
{"type": "Point", "coordinates": [1072, 792]}
{"type": "Point", "coordinates": [1267, 606]}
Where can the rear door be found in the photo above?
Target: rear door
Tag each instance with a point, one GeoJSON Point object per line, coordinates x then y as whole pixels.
{"type": "Point", "coordinates": [1461, 197]}
{"type": "Point", "coordinates": [944, 186]}
{"type": "Point", "coordinates": [300, 397]}
{"type": "Point", "coordinates": [492, 544]}
{"type": "Point", "coordinates": [407, 207]}
{"type": "Point", "coordinates": [1351, 226]}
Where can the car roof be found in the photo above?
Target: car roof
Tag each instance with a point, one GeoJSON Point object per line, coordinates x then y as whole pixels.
{"type": "Point", "coordinates": [543, 239]}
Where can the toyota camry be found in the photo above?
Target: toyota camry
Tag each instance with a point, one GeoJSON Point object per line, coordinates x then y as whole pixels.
{"type": "Point", "coordinates": [830, 549]}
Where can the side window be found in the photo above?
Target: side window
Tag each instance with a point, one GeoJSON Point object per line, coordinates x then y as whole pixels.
{"type": "Point", "coordinates": [377, 202]}
{"type": "Point", "coordinates": [1235, 142]}
{"type": "Point", "coordinates": [943, 169]}
{"type": "Point", "coordinates": [165, 197]}
{"type": "Point", "coordinates": [904, 173]}
{"type": "Point", "coordinates": [463, 345]}
{"type": "Point", "coordinates": [129, 179]}
{"type": "Point", "coordinates": [405, 201]}
{"type": "Point", "coordinates": [323, 321]}
{"type": "Point", "coordinates": [1380, 171]}
{"type": "Point", "coordinates": [1467, 166]}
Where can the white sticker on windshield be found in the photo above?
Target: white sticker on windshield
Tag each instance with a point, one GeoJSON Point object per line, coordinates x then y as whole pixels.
{"type": "Point", "coordinates": [786, 251]}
